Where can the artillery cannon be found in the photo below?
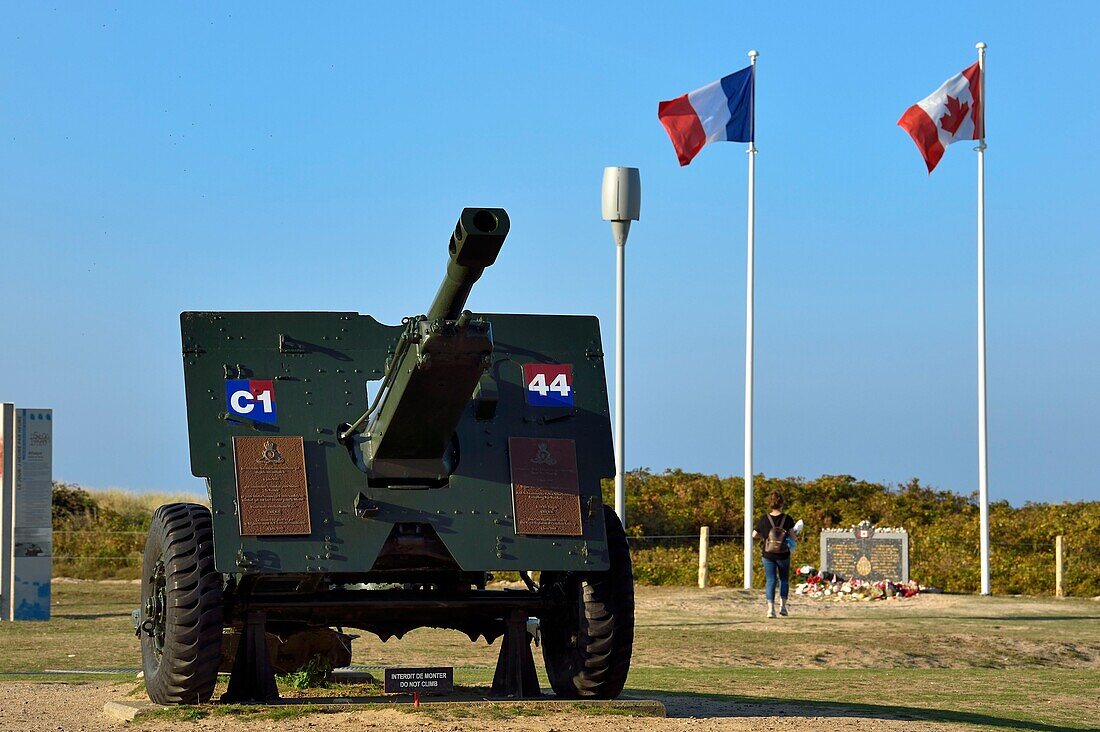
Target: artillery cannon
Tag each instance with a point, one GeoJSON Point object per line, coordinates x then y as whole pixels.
{"type": "Point", "coordinates": [482, 451]}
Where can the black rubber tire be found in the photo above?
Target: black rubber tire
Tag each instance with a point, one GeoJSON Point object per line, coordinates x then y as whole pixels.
{"type": "Point", "coordinates": [588, 639]}
{"type": "Point", "coordinates": [185, 669]}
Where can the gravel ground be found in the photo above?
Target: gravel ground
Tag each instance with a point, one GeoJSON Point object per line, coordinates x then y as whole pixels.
{"type": "Point", "coordinates": [1037, 658]}
{"type": "Point", "coordinates": [79, 708]}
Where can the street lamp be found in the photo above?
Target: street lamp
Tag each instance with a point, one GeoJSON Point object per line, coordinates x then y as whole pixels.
{"type": "Point", "coordinates": [622, 203]}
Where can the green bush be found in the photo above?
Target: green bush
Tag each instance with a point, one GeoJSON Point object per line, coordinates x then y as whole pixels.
{"type": "Point", "coordinates": [942, 526]}
{"type": "Point", "coordinates": [315, 674]}
{"type": "Point", "coordinates": [101, 534]}
{"type": "Point", "coordinates": [73, 505]}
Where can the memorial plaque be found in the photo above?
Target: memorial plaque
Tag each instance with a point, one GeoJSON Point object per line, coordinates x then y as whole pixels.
{"type": "Point", "coordinates": [432, 680]}
{"type": "Point", "coordinates": [545, 492]}
{"type": "Point", "coordinates": [866, 552]}
{"type": "Point", "coordinates": [272, 492]}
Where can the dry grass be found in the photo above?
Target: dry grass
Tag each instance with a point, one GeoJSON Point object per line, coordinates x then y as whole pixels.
{"type": "Point", "coordinates": [107, 542]}
{"type": "Point", "coordinates": [972, 662]}
{"type": "Point", "coordinates": [127, 502]}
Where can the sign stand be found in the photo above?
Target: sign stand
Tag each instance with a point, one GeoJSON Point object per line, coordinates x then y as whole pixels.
{"type": "Point", "coordinates": [26, 477]}
{"type": "Point", "coordinates": [7, 480]}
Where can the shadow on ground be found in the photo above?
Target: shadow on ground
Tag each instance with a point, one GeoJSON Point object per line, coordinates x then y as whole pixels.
{"type": "Point", "coordinates": [684, 704]}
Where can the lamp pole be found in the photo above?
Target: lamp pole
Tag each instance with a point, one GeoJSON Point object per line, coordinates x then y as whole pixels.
{"type": "Point", "coordinates": [621, 202]}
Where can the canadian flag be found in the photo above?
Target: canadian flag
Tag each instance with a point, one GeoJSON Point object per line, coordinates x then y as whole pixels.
{"type": "Point", "coordinates": [951, 113]}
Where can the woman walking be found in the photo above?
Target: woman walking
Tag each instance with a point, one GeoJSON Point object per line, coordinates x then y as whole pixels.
{"type": "Point", "coordinates": [774, 528]}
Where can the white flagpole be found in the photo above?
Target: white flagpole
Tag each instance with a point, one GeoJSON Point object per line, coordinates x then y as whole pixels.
{"type": "Point", "coordinates": [983, 457]}
{"type": "Point", "coordinates": [748, 334]}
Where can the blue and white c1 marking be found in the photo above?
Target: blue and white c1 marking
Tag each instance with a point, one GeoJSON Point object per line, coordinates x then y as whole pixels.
{"type": "Point", "coordinates": [253, 399]}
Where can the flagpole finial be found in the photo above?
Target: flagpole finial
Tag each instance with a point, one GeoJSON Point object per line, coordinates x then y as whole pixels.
{"type": "Point", "coordinates": [980, 45]}
{"type": "Point", "coordinates": [752, 55]}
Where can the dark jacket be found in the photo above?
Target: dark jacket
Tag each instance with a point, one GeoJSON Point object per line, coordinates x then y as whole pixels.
{"type": "Point", "coordinates": [764, 525]}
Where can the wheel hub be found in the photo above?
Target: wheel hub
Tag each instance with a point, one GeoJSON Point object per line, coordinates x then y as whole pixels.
{"type": "Point", "coordinates": [156, 607]}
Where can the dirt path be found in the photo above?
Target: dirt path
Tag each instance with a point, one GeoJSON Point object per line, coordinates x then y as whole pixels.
{"type": "Point", "coordinates": [710, 656]}
{"type": "Point", "coordinates": [58, 707]}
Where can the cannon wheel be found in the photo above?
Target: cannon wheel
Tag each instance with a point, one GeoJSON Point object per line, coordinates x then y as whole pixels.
{"type": "Point", "coordinates": [588, 635]}
{"type": "Point", "coordinates": [181, 606]}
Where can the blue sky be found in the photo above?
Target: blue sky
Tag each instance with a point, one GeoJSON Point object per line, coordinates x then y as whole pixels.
{"type": "Point", "coordinates": [160, 159]}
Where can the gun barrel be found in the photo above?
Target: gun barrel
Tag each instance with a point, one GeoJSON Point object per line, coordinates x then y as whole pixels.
{"type": "Point", "coordinates": [475, 243]}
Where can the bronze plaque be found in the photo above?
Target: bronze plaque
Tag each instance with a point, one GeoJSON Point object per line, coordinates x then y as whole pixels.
{"type": "Point", "coordinates": [272, 495]}
{"type": "Point", "coordinates": [545, 492]}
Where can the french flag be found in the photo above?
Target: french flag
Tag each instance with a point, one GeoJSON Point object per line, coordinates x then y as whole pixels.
{"type": "Point", "coordinates": [720, 111]}
{"type": "Point", "coordinates": [951, 113]}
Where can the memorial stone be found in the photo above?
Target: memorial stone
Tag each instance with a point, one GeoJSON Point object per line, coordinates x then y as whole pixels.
{"type": "Point", "coordinates": [866, 552]}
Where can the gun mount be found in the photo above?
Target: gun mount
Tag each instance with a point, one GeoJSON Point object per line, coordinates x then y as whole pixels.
{"type": "Point", "coordinates": [482, 451]}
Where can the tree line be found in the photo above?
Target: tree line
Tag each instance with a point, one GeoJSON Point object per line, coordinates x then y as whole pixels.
{"type": "Point", "coordinates": [942, 526]}
{"type": "Point", "coordinates": [100, 534]}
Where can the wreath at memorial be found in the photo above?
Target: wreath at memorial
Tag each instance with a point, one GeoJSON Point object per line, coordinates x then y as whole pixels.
{"type": "Point", "coordinates": [831, 586]}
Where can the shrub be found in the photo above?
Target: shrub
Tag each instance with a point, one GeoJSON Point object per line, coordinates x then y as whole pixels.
{"type": "Point", "coordinates": [72, 504]}
{"type": "Point", "coordinates": [942, 526]}
{"type": "Point", "coordinates": [101, 534]}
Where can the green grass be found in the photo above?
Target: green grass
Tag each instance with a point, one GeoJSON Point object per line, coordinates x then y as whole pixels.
{"type": "Point", "coordinates": [90, 629]}
{"type": "Point", "coordinates": [73, 679]}
{"type": "Point", "coordinates": [314, 675]}
{"type": "Point", "coordinates": [990, 663]}
{"type": "Point", "coordinates": [244, 712]}
{"type": "Point", "coordinates": [520, 710]}
{"type": "Point", "coordinates": [1055, 699]}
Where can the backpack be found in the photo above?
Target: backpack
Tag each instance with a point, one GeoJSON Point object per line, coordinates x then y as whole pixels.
{"type": "Point", "coordinates": [776, 541]}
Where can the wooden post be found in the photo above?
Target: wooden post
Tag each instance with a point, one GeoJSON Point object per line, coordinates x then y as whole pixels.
{"type": "Point", "coordinates": [704, 551]}
{"type": "Point", "coordinates": [1059, 591]}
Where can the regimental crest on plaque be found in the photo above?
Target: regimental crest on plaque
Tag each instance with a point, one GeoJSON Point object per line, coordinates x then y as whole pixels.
{"type": "Point", "coordinates": [272, 489]}
{"type": "Point", "coordinates": [270, 454]}
{"type": "Point", "coordinates": [543, 456]}
{"type": "Point", "coordinates": [545, 488]}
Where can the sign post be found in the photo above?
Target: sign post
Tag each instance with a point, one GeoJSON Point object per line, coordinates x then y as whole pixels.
{"type": "Point", "coordinates": [27, 437]}
{"type": "Point", "coordinates": [7, 479]}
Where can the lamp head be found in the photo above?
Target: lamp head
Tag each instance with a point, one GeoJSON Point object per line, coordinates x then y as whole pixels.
{"type": "Point", "coordinates": [622, 194]}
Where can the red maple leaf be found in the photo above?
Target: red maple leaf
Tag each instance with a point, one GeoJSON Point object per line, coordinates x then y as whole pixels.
{"type": "Point", "coordinates": [956, 113]}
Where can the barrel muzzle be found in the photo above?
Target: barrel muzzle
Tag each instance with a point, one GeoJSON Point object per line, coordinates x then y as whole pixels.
{"type": "Point", "coordinates": [479, 235]}
{"type": "Point", "coordinates": [475, 244]}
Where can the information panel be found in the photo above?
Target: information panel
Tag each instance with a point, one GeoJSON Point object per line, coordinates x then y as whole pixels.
{"type": "Point", "coordinates": [7, 482]}
{"type": "Point", "coordinates": [28, 509]}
